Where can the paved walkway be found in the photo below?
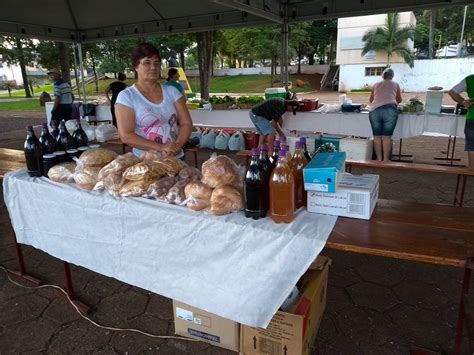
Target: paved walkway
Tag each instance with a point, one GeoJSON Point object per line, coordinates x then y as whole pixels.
{"type": "Point", "coordinates": [375, 305]}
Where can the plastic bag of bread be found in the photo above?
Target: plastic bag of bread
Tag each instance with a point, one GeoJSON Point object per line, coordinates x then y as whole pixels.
{"type": "Point", "coordinates": [190, 173]}
{"type": "Point", "coordinates": [198, 195]}
{"type": "Point", "coordinates": [63, 173]}
{"type": "Point", "coordinates": [220, 170]}
{"type": "Point", "coordinates": [134, 188]}
{"type": "Point", "coordinates": [226, 199]}
{"type": "Point", "coordinates": [119, 164]}
{"type": "Point", "coordinates": [112, 182]}
{"type": "Point", "coordinates": [159, 188]}
{"type": "Point", "coordinates": [86, 177]}
{"type": "Point", "coordinates": [137, 172]}
{"type": "Point", "coordinates": [96, 157]}
{"type": "Point", "coordinates": [176, 193]}
{"type": "Point", "coordinates": [163, 166]}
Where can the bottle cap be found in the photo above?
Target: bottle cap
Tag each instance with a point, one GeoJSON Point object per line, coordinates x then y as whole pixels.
{"type": "Point", "coordinates": [287, 147]}
{"type": "Point", "coordinates": [282, 152]}
{"type": "Point", "coordinates": [264, 146]}
{"type": "Point", "coordinates": [276, 143]}
{"type": "Point", "coordinates": [299, 145]}
{"type": "Point", "coordinates": [29, 128]}
{"type": "Point", "coordinates": [91, 146]}
{"type": "Point", "coordinates": [254, 151]}
{"type": "Point", "coordinates": [282, 138]}
{"type": "Point", "coordinates": [45, 125]}
{"type": "Point", "coordinates": [303, 140]}
{"type": "Point", "coordinates": [83, 148]}
{"type": "Point", "coordinates": [60, 152]}
{"type": "Point", "coordinates": [71, 151]}
{"type": "Point", "coordinates": [49, 156]}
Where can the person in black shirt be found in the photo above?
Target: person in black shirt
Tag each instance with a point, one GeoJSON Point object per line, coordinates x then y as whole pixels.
{"type": "Point", "coordinates": [267, 116]}
{"type": "Point", "coordinates": [115, 88]}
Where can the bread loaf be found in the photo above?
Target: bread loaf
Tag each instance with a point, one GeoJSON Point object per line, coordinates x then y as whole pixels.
{"type": "Point", "coordinates": [63, 173]}
{"type": "Point", "coordinates": [220, 170]}
{"type": "Point", "coordinates": [198, 195]}
{"type": "Point", "coordinates": [96, 157]}
{"type": "Point", "coordinates": [226, 199]}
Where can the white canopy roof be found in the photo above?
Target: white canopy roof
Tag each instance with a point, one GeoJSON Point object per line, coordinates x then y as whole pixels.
{"type": "Point", "coordinates": [92, 20]}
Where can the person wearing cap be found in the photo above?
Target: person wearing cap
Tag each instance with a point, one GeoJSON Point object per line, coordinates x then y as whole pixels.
{"type": "Point", "coordinates": [63, 98]}
{"type": "Point", "coordinates": [383, 114]}
{"type": "Point", "coordinates": [266, 117]}
{"type": "Point", "coordinates": [466, 85]}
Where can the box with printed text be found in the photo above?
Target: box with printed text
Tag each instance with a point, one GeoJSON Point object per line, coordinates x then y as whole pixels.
{"type": "Point", "coordinates": [324, 171]}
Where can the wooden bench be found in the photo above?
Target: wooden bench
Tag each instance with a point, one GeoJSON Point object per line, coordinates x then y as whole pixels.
{"type": "Point", "coordinates": [193, 150]}
{"type": "Point", "coordinates": [11, 160]}
{"type": "Point", "coordinates": [462, 172]}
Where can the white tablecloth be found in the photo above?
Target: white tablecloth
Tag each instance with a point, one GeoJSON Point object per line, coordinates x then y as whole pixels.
{"type": "Point", "coordinates": [353, 124]}
{"type": "Point", "coordinates": [232, 266]}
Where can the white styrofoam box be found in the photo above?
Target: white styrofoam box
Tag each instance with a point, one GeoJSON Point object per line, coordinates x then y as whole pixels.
{"type": "Point", "coordinates": [355, 196]}
{"type": "Point", "coordinates": [291, 141]}
{"type": "Point", "coordinates": [434, 99]}
{"type": "Point", "coordinates": [357, 148]}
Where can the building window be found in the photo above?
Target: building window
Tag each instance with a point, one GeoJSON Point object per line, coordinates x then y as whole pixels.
{"type": "Point", "coordinates": [374, 71]}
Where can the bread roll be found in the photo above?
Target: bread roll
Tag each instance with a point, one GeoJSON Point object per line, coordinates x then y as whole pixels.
{"type": "Point", "coordinates": [87, 177]}
{"type": "Point", "coordinates": [63, 173]}
{"type": "Point", "coordinates": [220, 170]}
{"type": "Point", "coordinates": [119, 164]}
{"type": "Point", "coordinates": [96, 157]}
{"type": "Point", "coordinates": [226, 199]}
{"type": "Point", "coordinates": [198, 195]}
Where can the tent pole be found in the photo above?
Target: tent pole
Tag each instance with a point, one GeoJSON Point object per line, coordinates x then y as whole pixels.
{"type": "Point", "coordinates": [284, 54]}
{"type": "Point", "coordinates": [81, 67]}
{"type": "Point", "coordinates": [75, 71]}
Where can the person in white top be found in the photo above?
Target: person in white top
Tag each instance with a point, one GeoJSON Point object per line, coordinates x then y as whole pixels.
{"type": "Point", "coordinates": [383, 114]}
{"type": "Point", "coordinates": [151, 116]}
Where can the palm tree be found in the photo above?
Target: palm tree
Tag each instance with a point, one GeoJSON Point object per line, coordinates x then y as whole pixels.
{"type": "Point", "coordinates": [391, 39]}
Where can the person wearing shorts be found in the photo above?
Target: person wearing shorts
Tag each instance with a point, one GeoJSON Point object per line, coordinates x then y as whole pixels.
{"type": "Point", "coordinates": [383, 114]}
{"type": "Point", "coordinates": [267, 116]}
{"type": "Point", "coordinates": [466, 85]}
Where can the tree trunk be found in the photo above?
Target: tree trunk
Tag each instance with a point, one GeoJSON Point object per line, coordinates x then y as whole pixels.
{"type": "Point", "coordinates": [63, 52]}
{"type": "Point", "coordinates": [21, 59]}
{"type": "Point", "coordinates": [181, 58]}
{"type": "Point", "coordinates": [299, 62]}
{"type": "Point", "coordinates": [431, 33]}
{"type": "Point", "coordinates": [204, 42]}
{"type": "Point", "coordinates": [311, 58]}
{"type": "Point", "coordinates": [95, 76]}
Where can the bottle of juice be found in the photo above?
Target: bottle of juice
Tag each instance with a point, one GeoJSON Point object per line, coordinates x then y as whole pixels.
{"type": "Point", "coordinates": [298, 163]}
{"type": "Point", "coordinates": [256, 190]}
{"type": "Point", "coordinates": [288, 155]}
{"type": "Point", "coordinates": [305, 149]}
{"type": "Point", "coordinates": [276, 148]}
{"type": "Point", "coordinates": [282, 141]}
{"type": "Point", "coordinates": [282, 191]}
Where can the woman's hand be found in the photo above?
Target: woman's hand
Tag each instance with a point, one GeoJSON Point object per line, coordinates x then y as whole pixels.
{"type": "Point", "coordinates": [467, 103]}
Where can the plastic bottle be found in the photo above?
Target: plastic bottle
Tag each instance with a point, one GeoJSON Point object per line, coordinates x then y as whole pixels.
{"type": "Point", "coordinates": [65, 140]}
{"type": "Point", "coordinates": [288, 155]}
{"type": "Point", "coordinates": [80, 137]}
{"type": "Point", "coordinates": [33, 153]}
{"type": "Point", "coordinates": [305, 149]}
{"type": "Point", "coordinates": [282, 141]}
{"type": "Point", "coordinates": [48, 143]}
{"type": "Point", "coordinates": [276, 148]}
{"type": "Point", "coordinates": [298, 163]}
{"type": "Point", "coordinates": [256, 192]}
{"type": "Point", "coordinates": [282, 191]}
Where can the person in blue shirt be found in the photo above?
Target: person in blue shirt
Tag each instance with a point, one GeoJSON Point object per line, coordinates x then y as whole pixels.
{"type": "Point", "coordinates": [63, 98]}
{"type": "Point", "coordinates": [173, 80]}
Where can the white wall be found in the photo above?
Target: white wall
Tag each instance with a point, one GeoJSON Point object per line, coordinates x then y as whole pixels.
{"type": "Point", "coordinates": [426, 73]}
{"type": "Point", "coordinates": [10, 73]}
{"type": "Point", "coordinates": [305, 69]}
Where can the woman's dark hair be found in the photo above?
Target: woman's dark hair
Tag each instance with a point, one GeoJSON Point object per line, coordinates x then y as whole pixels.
{"type": "Point", "coordinates": [144, 50]}
{"type": "Point", "coordinates": [171, 72]}
{"type": "Point", "coordinates": [121, 76]}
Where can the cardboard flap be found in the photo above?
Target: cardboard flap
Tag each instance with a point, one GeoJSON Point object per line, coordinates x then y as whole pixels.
{"type": "Point", "coordinates": [320, 263]}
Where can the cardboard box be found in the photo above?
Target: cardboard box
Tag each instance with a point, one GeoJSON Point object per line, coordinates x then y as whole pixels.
{"type": "Point", "coordinates": [195, 323]}
{"type": "Point", "coordinates": [356, 197]}
{"type": "Point", "coordinates": [357, 148]}
{"type": "Point", "coordinates": [292, 332]}
{"type": "Point", "coordinates": [324, 171]}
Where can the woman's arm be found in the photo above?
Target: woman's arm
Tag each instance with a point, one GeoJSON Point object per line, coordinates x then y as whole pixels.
{"type": "Point", "coordinates": [185, 123]}
{"type": "Point", "coordinates": [399, 95]}
{"type": "Point", "coordinates": [126, 129]}
{"type": "Point", "coordinates": [459, 99]}
{"type": "Point", "coordinates": [371, 99]}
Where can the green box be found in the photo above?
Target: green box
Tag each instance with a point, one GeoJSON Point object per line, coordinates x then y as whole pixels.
{"type": "Point", "coordinates": [272, 93]}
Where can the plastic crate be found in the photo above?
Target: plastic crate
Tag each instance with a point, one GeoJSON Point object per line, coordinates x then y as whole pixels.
{"type": "Point", "coordinates": [272, 93]}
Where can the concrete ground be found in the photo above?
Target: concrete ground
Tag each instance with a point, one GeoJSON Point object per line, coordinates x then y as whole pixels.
{"type": "Point", "coordinates": [375, 305]}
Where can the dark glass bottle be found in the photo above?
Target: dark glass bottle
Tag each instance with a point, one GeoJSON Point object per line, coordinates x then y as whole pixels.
{"type": "Point", "coordinates": [267, 167]}
{"type": "Point", "coordinates": [255, 188]}
{"type": "Point", "coordinates": [305, 149]}
{"type": "Point", "coordinates": [276, 148]}
{"type": "Point", "coordinates": [54, 130]}
{"type": "Point", "coordinates": [33, 153]}
{"type": "Point", "coordinates": [65, 140]}
{"type": "Point", "coordinates": [48, 143]}
{"type": "Point", "coordinates": [80, 137]}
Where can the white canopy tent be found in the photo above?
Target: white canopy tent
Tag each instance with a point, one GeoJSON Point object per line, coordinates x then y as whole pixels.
{"type": "Point", "coordinates": [91, 20]}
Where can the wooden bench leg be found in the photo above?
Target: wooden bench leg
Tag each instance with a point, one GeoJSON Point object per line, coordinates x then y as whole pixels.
{"type": "Point", "coordinates": [70, 290]}
{"type": "Point", "coordinates": [462, 306]}
{"type": "Point", "coordinates": [459, 194]}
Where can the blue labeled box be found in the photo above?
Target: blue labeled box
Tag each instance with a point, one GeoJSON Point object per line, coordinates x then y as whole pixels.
{"type": "Point", "coordinates": [324, 171]}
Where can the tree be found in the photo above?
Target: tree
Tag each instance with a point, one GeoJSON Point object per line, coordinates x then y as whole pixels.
{"type": "Point", "coordinates": [390, 39]}
{"type": "Point", "coordinates": [204, 46]}
{"type": "Point", "coordinates": [300, 41]}
{"type": "Point", "coordinates": [20, 51]}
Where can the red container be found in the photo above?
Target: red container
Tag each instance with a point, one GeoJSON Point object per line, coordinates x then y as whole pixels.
{"type": "Point", "coordinates": [308, 105]}
{"type": "Point", "coordinates": [251, 140]}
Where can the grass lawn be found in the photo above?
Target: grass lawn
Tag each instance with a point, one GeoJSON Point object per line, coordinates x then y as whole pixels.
{"type": "Point", "coordinates": [21, 93]}
{"type": "Point", "coordinates": [24, 105]}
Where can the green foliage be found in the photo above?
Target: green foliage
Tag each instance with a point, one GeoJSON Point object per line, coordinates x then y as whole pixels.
{"type": "Point", "coordinates": [250, 100]}
{"type": "Point", "coordinates": [222, 100]}
{"type": "Point", "coordinates": [21, 105]}
{"type": "Point", "coordinates": [391, 39]}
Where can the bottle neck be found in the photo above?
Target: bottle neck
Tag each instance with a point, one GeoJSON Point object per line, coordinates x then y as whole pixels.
{"type": "Point", "coordinates": [263, 154]}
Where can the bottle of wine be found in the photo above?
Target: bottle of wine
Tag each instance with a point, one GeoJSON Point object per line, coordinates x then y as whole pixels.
{"type": "Point", "coordinates": [54, 130]}
{"type": "Point", "coordinates": [256, 192]}
{"type": "Point", "coordinates": [48, 143]}
{"type": "Point", "coordinates": [33, 153]}
{"type": "Point", "coordinates": [65, 140]}
{"type": "Point", "coordinates": [80, 137]}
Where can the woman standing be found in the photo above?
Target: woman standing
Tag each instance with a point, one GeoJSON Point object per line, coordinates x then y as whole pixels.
{"type": "Point", "coordinates": [151, 116]}
{"type": "Point", "coordinates": [383, 114]}
{"type": "Point", "coordinates": [114, 89]}
{"type": "Point", "coordinates": [173, 80]}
